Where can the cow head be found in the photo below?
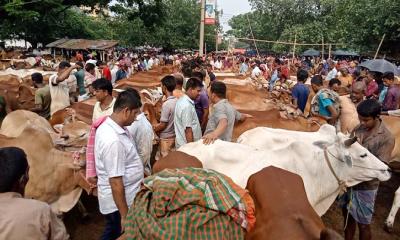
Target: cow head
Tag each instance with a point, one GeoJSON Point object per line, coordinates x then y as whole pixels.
{"type": "Point", "coordinates": [354, 163]}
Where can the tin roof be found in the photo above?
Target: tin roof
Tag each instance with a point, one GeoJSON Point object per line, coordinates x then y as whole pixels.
{"type": "Point", "coordinates": [80, 44]}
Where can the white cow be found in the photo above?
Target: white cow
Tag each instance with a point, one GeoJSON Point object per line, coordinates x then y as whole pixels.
{"type": "Point", "coordinates": [300, 153]}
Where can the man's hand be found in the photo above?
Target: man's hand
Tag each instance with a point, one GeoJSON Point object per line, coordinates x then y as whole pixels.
{"type": "Point", "coordinates": [123, 220]}
{"type": "Point", "coordinates": [209, 138]}
{"type": "Point", "coordinates": [248, 115]}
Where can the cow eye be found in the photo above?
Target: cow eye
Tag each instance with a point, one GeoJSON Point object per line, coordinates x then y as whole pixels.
{"type": "Point", "coordinates": [363, 155]}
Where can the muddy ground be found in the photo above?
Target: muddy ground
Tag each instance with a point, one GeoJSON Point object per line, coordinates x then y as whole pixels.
{"type": "Point", "coordinates": [91, 227]}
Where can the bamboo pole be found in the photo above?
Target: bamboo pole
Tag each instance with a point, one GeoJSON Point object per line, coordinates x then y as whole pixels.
{"type": "Point", "coordinates": [290, 43]}
{"type": "Point", "coordinates": [330, 49]}
{"type": "Point", "coordinates": [379, 47]}
{"type": "Point", "coordinates": [251, 30]}
{"type": "Point", "coordinates": [322, 52]}
{"type": "Point", "coordinates": [294, 46]}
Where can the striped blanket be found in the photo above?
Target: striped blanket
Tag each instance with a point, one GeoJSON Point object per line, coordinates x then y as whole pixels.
{"type": "Point", "coordinates": [190, 203]}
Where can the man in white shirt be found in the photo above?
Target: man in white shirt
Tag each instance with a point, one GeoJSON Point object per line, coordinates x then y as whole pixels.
{"type": "Point", "coordinates": [150, 63]}
{"type": "Point", "coordinates": [118, 165]}
{"type": "Point", "coordinates": [105, 101]}
{"type": "Point", "coordinates": [256, 71]}
{"type": "Point", "coordinates": [332, 71]}
{"type": "Point", "coordinates": [59, 89]}
{"type": "Point", "coordinates": [186, 123]}
{"type": "Point", "coordinates": [142, 135]}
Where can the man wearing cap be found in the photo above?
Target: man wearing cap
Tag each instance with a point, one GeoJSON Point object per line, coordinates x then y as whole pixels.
{"type": "Point", "coordinates": [59, 89]}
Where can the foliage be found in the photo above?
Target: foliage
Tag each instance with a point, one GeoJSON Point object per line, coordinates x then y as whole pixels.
{"type": "Point", "coordinates": [357, 25]}
{"type": "Point", "coordinates": [172, 24]}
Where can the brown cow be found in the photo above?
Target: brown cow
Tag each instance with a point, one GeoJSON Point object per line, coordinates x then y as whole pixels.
{"type": "Point", "coordinates": [176, 159]}
{"type": "Point", "coordinates": [54, 176]}
{"type": "Point", "coordinates": [272, 118]}
{"type": "Point", "coordinates": [282, 208]}
{"type": "Point", "coordinates": [17, 95]}
{"type": "Point", "coordinates": [247, 98]}
{"type": "Point", "coordinates": [74, 134]}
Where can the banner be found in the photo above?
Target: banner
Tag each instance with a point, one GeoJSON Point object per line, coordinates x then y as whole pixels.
{"type": "Point", "coordinates": [210, 12]}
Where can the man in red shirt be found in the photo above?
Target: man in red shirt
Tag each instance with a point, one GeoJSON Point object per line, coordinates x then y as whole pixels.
{"type": "Point", "coordinates": [372, 86]}
{"type": "Point", "coordinates": [105, 70]}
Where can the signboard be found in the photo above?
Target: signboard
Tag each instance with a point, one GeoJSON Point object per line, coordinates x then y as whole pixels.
{"type": "Point", "coordinates": [210, 12]}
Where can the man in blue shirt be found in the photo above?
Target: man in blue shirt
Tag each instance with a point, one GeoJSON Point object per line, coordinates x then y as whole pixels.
{"type": "Point", "coordinates": [325, 103]}
{"type": "Point", "coordinates": [300, 91]}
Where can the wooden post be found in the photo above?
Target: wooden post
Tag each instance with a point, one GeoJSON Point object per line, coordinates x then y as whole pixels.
{"type": "Point", "coordinates": [322, 52]}
{"type": "Point", "coordinates": [294, 46]}
{"type": "Point", "coordinates": [330, 49]}
{"type": "Point", "coordinates": [201, 43]}
{"type": "Point", "coordinates": [379, 47]}
{"type": "Point", "coordinates": [251, 30]}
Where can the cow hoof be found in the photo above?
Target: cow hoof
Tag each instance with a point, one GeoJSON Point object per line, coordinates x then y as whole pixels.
{"type": "Point", "coordinates": [388, 228]}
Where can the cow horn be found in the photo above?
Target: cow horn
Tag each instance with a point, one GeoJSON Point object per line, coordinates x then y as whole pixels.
{"type": "Point", "coordinates": [350, 141]}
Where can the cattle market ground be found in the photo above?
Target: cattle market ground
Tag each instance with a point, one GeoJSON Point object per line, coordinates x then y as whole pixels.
{"type": "Point", "coordinates": [92, 227]}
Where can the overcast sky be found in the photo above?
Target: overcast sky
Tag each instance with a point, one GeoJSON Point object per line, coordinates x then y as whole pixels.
{"type": "Point", "coordinates": [230, 8]}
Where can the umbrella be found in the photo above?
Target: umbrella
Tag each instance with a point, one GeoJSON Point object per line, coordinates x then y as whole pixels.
{"type": "Point", "coordinates": [345, 53]}
{"type": "Point", "coordinates": [380, 65]}
{"type": "Point", "coordinates": [311, 52]}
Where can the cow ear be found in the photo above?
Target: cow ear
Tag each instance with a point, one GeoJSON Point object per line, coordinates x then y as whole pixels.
{"type": "Point", "coordinates": [322, 144]}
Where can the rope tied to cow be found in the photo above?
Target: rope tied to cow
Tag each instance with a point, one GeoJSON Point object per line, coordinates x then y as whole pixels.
{"type": "Point", "coordinates": [342, 184]}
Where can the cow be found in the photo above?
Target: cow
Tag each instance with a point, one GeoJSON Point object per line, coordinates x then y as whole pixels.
{"type": "Point", "coordinates": [349, 120]}
{"type": "Point", "coordinates": [273, 118]}
{"type": "Point", "coordinates": [176, 159]}
{"type": "Point", "coordinates": [18, 95]}
{"type": "Point", "coordinates": [55, 177]}
{"type": "Point", "coordinates": [278, 216]}
{"type": "Point", "coordinates": [71, 135]}
{"type": "Point", "coordinates": [248, 98]}
{"type": "Point", "coordinates": [310, 155]}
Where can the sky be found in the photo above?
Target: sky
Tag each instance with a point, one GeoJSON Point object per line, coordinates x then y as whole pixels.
{"type": "Point", "coordinates": [231, 8]}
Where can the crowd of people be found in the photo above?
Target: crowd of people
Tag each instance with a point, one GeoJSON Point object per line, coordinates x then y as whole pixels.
{"type": "Point", "coordinates": [121, 138]}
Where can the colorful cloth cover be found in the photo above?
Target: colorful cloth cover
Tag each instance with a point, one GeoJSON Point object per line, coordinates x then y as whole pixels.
{"type": "Point", "coordinates": [190, 203]}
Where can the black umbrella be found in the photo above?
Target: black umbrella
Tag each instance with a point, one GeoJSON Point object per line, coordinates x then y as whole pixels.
{"type": "Point", "coordinates": [311, 53]}
{"type": "Point", "coordinates": [380, 65]}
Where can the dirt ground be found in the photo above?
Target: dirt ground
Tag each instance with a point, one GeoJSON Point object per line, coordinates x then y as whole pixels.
{"type": "Point", "coordinates": [91, 227]}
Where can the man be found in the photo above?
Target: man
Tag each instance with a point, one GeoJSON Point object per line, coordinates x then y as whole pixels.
{"type": "Point", "coordinates": [300, 91]}
{"type": "Point", "coordinates": [105, 101]}
{"type": "Point", "coordinates": [358, 202]}
{"type": "Point", "coordinates": [211, 75]}
{"type": "Point", "coordinates": [335, 84]}
{"type": "Point", "coordinates": [80, 79]}
{"type": "Point", "coordinates": [42, 96]}
{"type": "Point", "coordinates": [165, 129]}
{"type": "Point", "coordinates": [325, 103]}
{"type": "Point", "coordinates": [201, 103]}
{"type": "Point", "coordinates": [23, 218]}
{"type": "Point", "coordinates": [142, 136]}
{"type": "Point", "coordinates": [122, 73]}
{"type": "Point", "coordinates": [391, 100]}
{"type": "Point", "coordinates": [222, 120]}
{"type": "Point", "coordinates": [59, 89]}
{"type": "Point", "coordinates": [118, 165]}
{"type": "Point", "coordinates": [178, 92]}
{"type": "Point", "coordinates": [345, 78]}
{"type": "Point", "coordinates": [332, 71]}
{"type": "Point", "coordinates": [90, 75]}
{"type": "Point", "coordinates": [357, 92]}
{"type": "Point", "coordinates": [372, 86]}
{"type": "Point", "coordinates": [256, 72]}
{"type": "Point", "coordinates": [186, 123]}
{"type": "Point", "coordinates": [105, 70]}
{"type": "Point", "coordinates": [244, 67]}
